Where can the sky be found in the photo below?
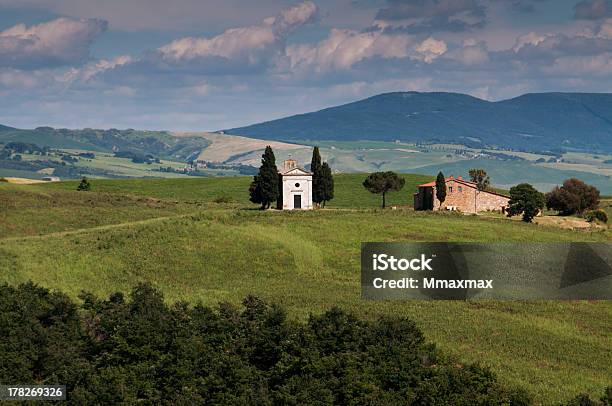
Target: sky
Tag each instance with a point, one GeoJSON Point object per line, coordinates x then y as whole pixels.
{"type": "Point", "coordinates": [202, 65]}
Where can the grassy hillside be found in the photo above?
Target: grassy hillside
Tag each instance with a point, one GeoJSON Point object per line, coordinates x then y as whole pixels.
{"type": "Point", "coordinates": [173, 234]}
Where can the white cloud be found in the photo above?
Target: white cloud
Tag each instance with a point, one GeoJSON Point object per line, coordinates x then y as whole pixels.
{"type": "Point", "coordinates": [529, 39]}
{"type": "Point", "coordinates": [344, 48]}
{"type": "Point", "coordinates": [90, 70]}
{"type": "Point", "coordinates": [55, 43]}
{"type": "Point", "coordinates": [430, 49]}
{"type": "Point", "coordinates": [252, 45]}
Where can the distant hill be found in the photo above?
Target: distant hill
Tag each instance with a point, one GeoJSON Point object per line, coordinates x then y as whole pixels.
{"type": "Point", "coordinates": [535, 122]}
{"type": "Point", "coordinates": [5, 128]}
{"type": "Point", "coordinates": [157, 143]}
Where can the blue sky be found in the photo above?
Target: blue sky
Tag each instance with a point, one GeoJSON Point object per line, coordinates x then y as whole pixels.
{"type": "Point", "coordinates": [214, 64]}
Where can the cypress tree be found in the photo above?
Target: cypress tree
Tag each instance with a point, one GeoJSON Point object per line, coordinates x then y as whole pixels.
{"type": "Point", "coordinates": [441, 188]}
{"type": "Point", "coordinates": [317, 179]}
{"type": "Point", "coordinates": [327, 183]}
{"type": "Point", "coordinates": [264, 188]}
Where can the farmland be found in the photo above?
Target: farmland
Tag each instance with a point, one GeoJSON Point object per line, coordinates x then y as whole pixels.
{"type": "Point", "coordinates": [199, 239]}
{"type": "Point", "coordinates": [63, 153]}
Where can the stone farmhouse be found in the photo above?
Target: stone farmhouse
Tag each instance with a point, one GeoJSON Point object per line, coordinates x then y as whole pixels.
{"type": "Point", "coordinates": [461, 195]}
{"type": "Point", "coordinates": [296, 187]}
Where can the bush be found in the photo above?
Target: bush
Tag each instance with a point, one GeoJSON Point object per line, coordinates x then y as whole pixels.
{"type": "Point", "coordinates": [141, 349]}
{"type": "Point", "coordinates": [3, 180]}
{"type": "Point", "coordinates": [585, 400]}
{"type": "Point", "coordinates": [599, 215]}
{"type": "Point", "coordinates": [84, 186]}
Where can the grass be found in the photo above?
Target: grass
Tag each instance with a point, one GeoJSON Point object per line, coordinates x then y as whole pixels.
{"type": "Point", "coordinates": [172, 234]}
{"type": "Point", "coordinates": [349, 192]}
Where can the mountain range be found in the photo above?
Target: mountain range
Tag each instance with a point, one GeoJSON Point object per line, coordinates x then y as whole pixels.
{"type": "Point", "coordinates": [531, 122]}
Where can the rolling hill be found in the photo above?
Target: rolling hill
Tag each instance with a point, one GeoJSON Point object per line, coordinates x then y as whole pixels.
{"type": "Point", "coordinates": [535, 122]}
{"type": "Point", "coordinates": [158, 143]}
{"type": "Point", "coordinates": [175, 233]}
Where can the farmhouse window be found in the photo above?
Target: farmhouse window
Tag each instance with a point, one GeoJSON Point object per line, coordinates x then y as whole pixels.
{"type": "Point", "coordinates": [450, 189]}
{"type": "Point", "coordinates": [459, 189]}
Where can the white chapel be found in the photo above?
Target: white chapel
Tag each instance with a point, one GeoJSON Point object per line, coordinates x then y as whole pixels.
{"type": "Point", "coordinates": [296, 187]}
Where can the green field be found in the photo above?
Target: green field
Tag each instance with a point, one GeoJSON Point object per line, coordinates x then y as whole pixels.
{"type": "Point", "coordinates": [173, 234]}
{"type": "Point", "coordinates": [349, 193]}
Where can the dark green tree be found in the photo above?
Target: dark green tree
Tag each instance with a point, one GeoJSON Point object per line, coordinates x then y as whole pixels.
{"type": "Point", "coordinates": [383, 182]}
{"type": "Point", "coordinates": [84, 186]}
{"type": "Point", "coordinates": [480, 178]}
{"type": "Point", "coordinates": [441, 188]}
{"type": "Point", "coordinates": [317, 184]}
{"type": "Point", "coordinates": [327, 183]}
{"type": "Point", "coordinates": [525, 199]}
{"type": "Point", "coordinates": [574, 196]}
{"type": "Point", "coordinates": [138, 348]}
{"type": "Point", "coordinates": [264, 188]}
{"type": "Point", "coordinates": [317, 180]}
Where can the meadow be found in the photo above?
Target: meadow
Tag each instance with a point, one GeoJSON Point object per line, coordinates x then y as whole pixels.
{"type": "Point", "coordinates": [201, 240]}
{"type": "Point", "coordinates": [349, 192]}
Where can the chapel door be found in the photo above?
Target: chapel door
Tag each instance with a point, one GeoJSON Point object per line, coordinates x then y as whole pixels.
{"type": "Point", "coordinates": [297, 201]}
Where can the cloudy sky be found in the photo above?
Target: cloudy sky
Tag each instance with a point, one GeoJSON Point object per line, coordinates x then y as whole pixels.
{"type": "Point", "coordinates": [214, 64]}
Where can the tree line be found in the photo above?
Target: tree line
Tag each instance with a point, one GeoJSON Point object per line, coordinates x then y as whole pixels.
{"type": "Point", "coordinates": [138, 348]}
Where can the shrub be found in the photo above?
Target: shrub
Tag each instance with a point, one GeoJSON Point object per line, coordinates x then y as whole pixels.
{"type": "Point", "coordinates": [596, 215]}
{"type": "Point", "coordinates": [84, 186]}
{"type": "Point", "coordinates": [585, 400]}
{"type": "Point", "coordinates": [3, 180]}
